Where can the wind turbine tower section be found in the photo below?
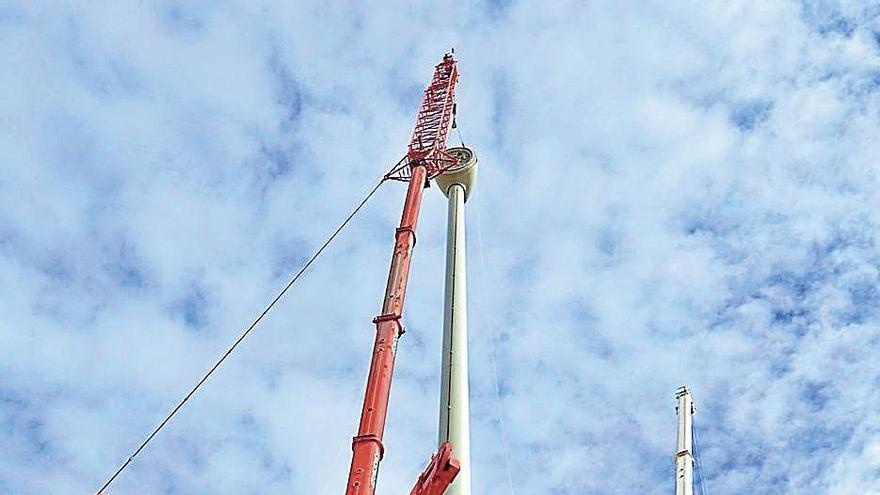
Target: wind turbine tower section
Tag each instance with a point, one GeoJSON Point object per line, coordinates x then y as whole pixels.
{"type": "Point", "coordinates": [684, 457]}
{"type": "Point", "coordinates": [457, 182]}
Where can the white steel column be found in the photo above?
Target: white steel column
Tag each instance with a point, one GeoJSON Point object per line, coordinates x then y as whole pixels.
{"type": "Point", "coordinates": [454, 397]}
{"type": "Point", "coordinates": [684, 458]}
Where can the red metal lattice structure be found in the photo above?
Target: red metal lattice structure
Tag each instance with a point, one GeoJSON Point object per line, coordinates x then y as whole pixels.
{"type": "Point", "coordinates": [425, 158]}
{"type": "Point", "coordinates": [428, 142]}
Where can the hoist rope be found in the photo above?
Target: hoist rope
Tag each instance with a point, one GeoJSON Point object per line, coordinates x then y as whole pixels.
{"type": "Point", "coordinates": [698, 457]}
{"type": "Point", "coordinates": [243, 335]}
{"type": "Point", "coordinates": [493, 340]}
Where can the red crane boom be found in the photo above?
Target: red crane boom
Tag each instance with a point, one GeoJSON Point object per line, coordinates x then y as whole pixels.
{"type": "Point", "coordinates": [425, 158]}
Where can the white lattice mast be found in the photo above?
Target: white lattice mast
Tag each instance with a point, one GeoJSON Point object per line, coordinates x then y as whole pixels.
{"type": "Point", "coordinates": [456, 183]}
{"type": "Point", "coordinates": [684, 457]}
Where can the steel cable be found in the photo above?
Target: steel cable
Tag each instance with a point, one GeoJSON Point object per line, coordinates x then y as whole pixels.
{"type": "Point", "coordinates": [243, 335]}
{"type": "Point", "coordinates": [698, 456]}
{"type": "Point", "coordinates": [493, 341]}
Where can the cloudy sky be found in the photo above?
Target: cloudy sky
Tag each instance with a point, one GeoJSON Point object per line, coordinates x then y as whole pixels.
{"type": "Point", "coordinates": [670, 192]}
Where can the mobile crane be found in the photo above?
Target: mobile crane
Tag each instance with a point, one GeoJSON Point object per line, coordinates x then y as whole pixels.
{"type": "Point", "coordinates": [425, 159]}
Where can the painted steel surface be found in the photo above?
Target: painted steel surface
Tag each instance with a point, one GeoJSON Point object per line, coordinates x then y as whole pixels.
{"type": "Point", "coordinates": [440, 472]}
{"type": "Point", "coordinates": [454, 392]}
{"type": "Point", "coordinates": [684, 458]}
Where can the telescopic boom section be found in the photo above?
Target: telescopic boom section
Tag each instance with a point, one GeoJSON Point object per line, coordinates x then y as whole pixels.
{"type": "Point", "coordinates": [426, 157]}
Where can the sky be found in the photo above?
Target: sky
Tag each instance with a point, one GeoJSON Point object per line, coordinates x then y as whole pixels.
{"type": "Point", "coordinates": [670, 192]}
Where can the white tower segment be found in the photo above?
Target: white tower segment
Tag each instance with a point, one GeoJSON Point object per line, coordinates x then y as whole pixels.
{"type": "Point", "coordinates": [684, 458]}
{"type": "Point", "coordinates": [456, 183]}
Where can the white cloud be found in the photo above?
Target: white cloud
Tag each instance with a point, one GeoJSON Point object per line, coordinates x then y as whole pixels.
{"type": "Point", "coordinates": [669, 193]}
